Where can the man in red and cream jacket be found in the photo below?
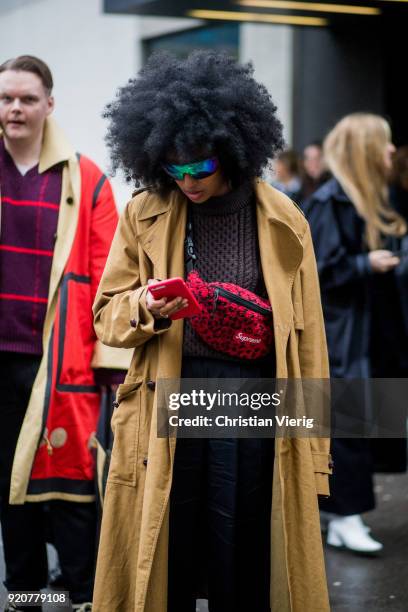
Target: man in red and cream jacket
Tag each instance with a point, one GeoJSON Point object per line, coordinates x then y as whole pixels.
{"type": "Point", "coordinates": [58, 218]}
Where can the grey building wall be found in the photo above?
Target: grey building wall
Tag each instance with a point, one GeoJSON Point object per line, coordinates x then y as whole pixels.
{"type": "Point", "coordinates": [335, 72]}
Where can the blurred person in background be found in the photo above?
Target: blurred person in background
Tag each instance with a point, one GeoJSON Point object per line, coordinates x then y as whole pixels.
{"type": "Point", "coordinates": [287, 173]}
{"type": "Point", "coordinates": [315, 172]}
{"type": "Point", "coordinates": [58, 218]}
{"type": "Point", "coordinates": [355, 233]}
{"type": "Point", "coordinates": [399, 200]}
{"type": "Point", "coordinates": [399, 181]}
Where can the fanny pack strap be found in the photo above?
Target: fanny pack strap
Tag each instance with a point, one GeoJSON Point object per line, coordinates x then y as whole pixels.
{"type": "Point", "coordinates": [189, 255]}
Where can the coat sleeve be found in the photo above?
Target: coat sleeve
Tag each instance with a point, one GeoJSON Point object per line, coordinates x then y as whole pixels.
{"type": "Point", "coordinates": [314, 363]}
{"type": "Point", "coordinates": [121, 318]}
{"type": "Point", "coordinates": [336, 266]}
{"type": "Point", "coordinates": [103, 225]}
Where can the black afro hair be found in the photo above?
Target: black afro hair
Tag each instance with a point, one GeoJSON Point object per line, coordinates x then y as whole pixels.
{"type": "Point", "coordinates": [187, 109]}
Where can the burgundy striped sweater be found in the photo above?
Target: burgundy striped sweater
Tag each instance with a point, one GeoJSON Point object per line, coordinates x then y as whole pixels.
{"type": "Point", "coordinates": [29, 217]}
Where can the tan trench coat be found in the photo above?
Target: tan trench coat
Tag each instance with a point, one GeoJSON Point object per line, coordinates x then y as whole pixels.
{"type": "Point", "coordinates": [132, 562]}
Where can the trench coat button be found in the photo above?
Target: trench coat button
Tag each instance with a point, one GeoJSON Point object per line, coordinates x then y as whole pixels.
{"type": "Point", "coordinates": [115, 404]}
{"type": "Point", "coordinates": [133, 323]}
{"type": "Point", "coordinates": [331, 464]}
{"type": "Point", "coordinates": [70, 200]}
{"type": "Point", "coordinates": [151, 385]}
{"type": "Point", "coordinates": [145, 461]}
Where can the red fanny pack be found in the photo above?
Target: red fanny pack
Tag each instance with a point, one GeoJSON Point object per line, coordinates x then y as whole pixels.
{"type": "Point", "coordinates": [232, 320]}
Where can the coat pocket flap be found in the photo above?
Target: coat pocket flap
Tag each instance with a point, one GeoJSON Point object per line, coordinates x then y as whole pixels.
{"type": "Point", "coordinates": [322, 463]}
{"type": "Point", "coordinates": [125, 425]}
{"type": "Point", "coordinates": [127, 388]}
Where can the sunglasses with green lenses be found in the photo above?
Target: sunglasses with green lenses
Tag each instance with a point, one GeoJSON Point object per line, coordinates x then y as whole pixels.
{"type": "Point", "coordinates": [197, 170]}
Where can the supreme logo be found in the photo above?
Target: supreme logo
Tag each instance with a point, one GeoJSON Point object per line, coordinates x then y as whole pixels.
{"type": "Point", "coordinates": [245, 338]}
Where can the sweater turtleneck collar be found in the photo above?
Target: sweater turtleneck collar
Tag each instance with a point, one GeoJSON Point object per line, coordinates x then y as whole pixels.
{"type": "Point", "coordinates": [227, 204]}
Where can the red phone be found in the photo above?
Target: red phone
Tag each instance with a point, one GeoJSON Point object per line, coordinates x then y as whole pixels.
{"type": "Point", "coordinates": [172, 288]}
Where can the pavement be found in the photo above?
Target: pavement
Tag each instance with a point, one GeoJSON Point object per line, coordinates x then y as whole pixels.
{"type": "Point", "coordinates": [379, 584]}
{"type": "Point", "coordinates": [356, 583]}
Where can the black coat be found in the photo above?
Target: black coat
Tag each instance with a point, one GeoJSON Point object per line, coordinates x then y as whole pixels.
{"type": "Point", "coordinates": [365, 315]}
{"type": "Point", "coordinates": [366, 319]}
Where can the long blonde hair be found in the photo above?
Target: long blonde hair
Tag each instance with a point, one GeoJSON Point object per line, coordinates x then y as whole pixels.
{"type": "Point", "coordinates": [354, 151]}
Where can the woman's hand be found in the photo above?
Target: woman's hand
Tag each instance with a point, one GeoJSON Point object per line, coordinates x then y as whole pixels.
{"type": "Point", "coordinates": [383, 261]}
{"type": "Point", "coordinates": [161, 309]}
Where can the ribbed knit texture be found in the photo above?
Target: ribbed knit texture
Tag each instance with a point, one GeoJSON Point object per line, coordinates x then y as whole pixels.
{"type": "Point", "coordinates": [226, 244]}
{"type": "Point", "coordinates": [29, 217]}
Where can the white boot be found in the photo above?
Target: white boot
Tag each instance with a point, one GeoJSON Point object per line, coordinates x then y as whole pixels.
{"type": "Point", "coordinates": [326, 517]}
{"type": "Point", "coordinates": [351, 533]}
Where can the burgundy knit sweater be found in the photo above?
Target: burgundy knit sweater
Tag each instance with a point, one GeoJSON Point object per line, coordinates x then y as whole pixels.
{"type": "Point", "coordinates": [29, 217]}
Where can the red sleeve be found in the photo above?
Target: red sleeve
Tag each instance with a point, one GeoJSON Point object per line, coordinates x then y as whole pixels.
{"type": "Point", "coordinates": [103, 226]}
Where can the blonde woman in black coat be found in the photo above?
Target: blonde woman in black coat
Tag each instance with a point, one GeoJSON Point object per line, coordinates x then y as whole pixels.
{"type": "Point", "coordinates": [355, 233]}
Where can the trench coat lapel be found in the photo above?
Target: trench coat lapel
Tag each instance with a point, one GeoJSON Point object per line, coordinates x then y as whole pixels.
{"type": "Point", "coordinates": [281, 253]}
{"type": "Point", "coordinates": [152, 241]}
{"type": "Point", "coordinates": [163, 240]}
{"type": "Point", "coordinates": [55, 150]}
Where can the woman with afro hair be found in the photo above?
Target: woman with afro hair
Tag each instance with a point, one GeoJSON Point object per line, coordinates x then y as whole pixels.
{"type": "Point", "coordinates": [232, 520]}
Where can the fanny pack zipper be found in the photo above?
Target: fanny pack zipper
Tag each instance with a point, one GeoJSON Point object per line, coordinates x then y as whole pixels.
{"type": "Point", "coordinates": [239, 300]}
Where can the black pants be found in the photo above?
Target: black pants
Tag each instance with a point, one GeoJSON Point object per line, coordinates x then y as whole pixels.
{"type": "Point", "coordinates": [220, 511]}
{"type": "Point", "coordinates": [351, 485]}
{"type": "Point", "coordinates": [25, 528]}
